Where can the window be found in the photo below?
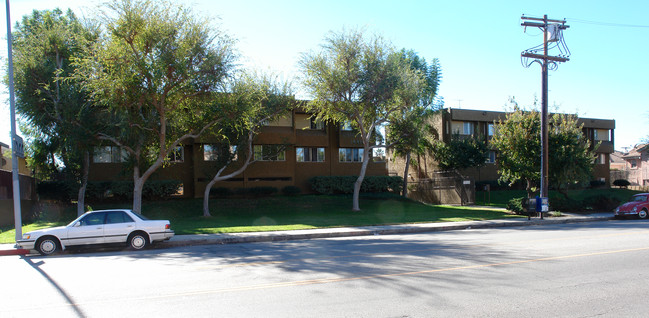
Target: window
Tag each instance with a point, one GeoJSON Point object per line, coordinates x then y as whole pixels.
{"type": "Point", "coordinates": [601, 159]}
{"type": "Point", "coordinates": [601, 134]}
{"type": "Point", "coordinates": [350, 154]}
{"type": "Point", "coordinates": [490, 130]}
{"type": "Point", "coordinates": [118, 217]}
{"type": "Point", "coordinates": [491, 157]}
{"type": "Point", "coordinates": [270, 153]}
{"type": "Point", "coordinates": [634, 164]}
{"type": "Point", "coordinates": [467, 129]}
{"type": "Point", "coordinates": [93, 219]}
{"type": "Point", "coordinates": [177, 155]}
{"type": "Point", "coordinates": [109, 154]}
{"type": "Point", "coordinates": [317, 124]}
{"type": "Point", "coordinates": [378, 154]}
{"type": "Point", "coordinates": [308, 154]}
{"type": "Point", "coordinates": [346, 126]}
{"type": "Point", "coordinates": [212, 152]}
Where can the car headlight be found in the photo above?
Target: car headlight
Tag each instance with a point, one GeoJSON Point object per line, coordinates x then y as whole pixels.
{"type": "Point", "coordinates": [26, 236]}
{"type": "Point", "coordinates": [617, 209]}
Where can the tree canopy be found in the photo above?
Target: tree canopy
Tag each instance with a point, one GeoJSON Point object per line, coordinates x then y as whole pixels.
{"type": "Point", "coordinates": [362, 81]}
{"type": "Point", "coordinates": [460, 152]}
{"type": "Point", "coordinates": [59, 119]}
{"type": "Point", "coordinates": [518, 141]}
{"type": "Point", "coordinates": [154, 72]}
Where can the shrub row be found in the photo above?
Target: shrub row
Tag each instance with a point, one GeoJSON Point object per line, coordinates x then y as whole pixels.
{"type": "Point", "coordinates": [66, 191]}
{"type": "Point", "coordinates": [254, 191]}
{"type": "Point", "coordinates": [598, 203]}
{"type": "Point", "coordinates": [345, 184]}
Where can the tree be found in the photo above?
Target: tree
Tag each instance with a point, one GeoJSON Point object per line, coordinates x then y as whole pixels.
{"type": "Point", "coordinates": [572, 158]}
{"type": "Point", "coordinates": [252, 100]}
{"type": "Point", "coordinates": [153, 74]}
{"type": "Point", "coordinates": [56, 111]}
{"type": "Point", "coordinates": [410, 129]}
{"type": "Point", "coordinates": [518, 141]}
{"type": "Point", "coordinates": [460, 153]}
{"type": "Point", "coordinates": [361, 81]}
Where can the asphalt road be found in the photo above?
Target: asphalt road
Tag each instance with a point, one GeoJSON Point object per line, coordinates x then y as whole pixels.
{"type": "Point", "coordinates": [570, 270]}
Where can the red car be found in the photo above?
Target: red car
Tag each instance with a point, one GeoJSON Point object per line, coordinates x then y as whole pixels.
{"type": "Point", "coordinates": [639, 205]}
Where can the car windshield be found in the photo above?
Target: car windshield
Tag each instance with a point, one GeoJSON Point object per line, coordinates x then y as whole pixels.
{"type": "Point", "coordinates": [640, 198]}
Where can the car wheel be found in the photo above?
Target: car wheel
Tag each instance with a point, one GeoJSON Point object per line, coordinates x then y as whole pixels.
{"type": "Point", "coordinates": [138, 241]}
{"type": "Point", "coordinates": [642, 214]}
{"type": "Point", "coordinates": [47, 245]}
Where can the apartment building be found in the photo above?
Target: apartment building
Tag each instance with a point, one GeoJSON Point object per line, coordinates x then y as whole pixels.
{"type": "Point", "coordinates": [287, 152]}
{"type": "Point", "coordinates": [467, 122]}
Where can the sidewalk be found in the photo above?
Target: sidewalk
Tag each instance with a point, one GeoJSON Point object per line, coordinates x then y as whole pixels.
{"type": "Point", "coordinates": [249, 237]}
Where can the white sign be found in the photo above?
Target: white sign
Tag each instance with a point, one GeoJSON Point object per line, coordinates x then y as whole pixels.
{"type": "Point", "coordinates": [18, 146]}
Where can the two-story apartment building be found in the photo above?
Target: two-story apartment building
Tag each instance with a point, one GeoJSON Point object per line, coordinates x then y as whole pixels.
{"type": "Point", "coordinates": [467, 122]}
{"type": "Point", "coordinates": [287, 152]}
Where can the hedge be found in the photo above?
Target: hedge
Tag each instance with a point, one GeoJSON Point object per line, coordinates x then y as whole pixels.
{"type": "Point", "coordinates": [66, 191]}
{"type": "Point", "coordinates": [345, 184]}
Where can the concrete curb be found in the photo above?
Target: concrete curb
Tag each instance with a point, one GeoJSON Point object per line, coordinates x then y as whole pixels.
{"type": "Point", "coordinates": [235, 238]}
{"type": "Point", "coordinates": [274, 236]}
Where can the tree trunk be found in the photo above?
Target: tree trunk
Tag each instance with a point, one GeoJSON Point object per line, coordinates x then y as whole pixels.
{"type": "Point", "coordinates": [359, 181]}
{"type": "Point", "coordinates": [206, 198]}
{"type": "Point", "coordinates": [138, 185]}
{"type": "Point", "coordinates": [84, 184]}
{"type": "Point", "coordinates": [405, 175]}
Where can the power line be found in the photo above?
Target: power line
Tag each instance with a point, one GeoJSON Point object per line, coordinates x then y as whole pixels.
{"type": "Point", "coordinates": [620, 25]}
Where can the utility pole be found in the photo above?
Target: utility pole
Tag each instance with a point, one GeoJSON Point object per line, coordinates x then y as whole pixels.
{"type": "Point", "coordinates": [16, 141]}
{"type": "Point", "coordinates": [552, 33]}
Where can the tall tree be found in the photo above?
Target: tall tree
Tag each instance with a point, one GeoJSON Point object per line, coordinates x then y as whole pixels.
{"type": "Point", "coordinates": [155, 70]}
{"type": "Point", "coordinates": [361, 81]}
{"type": "Point", "coordinates": [252, 100]}
{"type": "Point", "coordinates": [460, 153]}
{"type": "Point", "coordinates": [55, 109]}
{"type": "Point", "coordinates": [410, 129]}
{"type": "Point", "coordinates": [518, 141]}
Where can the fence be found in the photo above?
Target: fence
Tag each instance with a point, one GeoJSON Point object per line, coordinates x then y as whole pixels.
{"type": "Point", "coordinates": [444, 188]}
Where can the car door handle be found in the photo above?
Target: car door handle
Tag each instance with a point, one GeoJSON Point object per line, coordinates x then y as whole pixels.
{"type": "Point", "coordinates": [99, 228]}
{"type": "Point", "coordinates": [129, 226]}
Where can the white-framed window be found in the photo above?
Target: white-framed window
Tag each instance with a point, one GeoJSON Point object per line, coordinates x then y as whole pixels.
{"type": "Point", "coordinates": [491, 157]}
{"type": "Point", "coordinates": [490, 130]}
{"type": "Point", "coordinates": [269, 152]}
{"type": "Point", "coordinates": [350, 154]}
{"type": "Point", "coordinates": [177, 155]}
{"type": "Point", "coordinates": [212, 152]}
{"type": "Point", "coordinates": [309, 154]}
{"type": "Point", "coordinates": [601, 158]}
{"type": "Point", "coordinates": [109, 154]}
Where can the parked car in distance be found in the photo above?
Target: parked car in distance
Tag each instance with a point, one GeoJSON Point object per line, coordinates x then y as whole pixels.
{"type": "Point", "coordinates": [99, 227]}
{"type": "Point", "coordinates": [638, 206]}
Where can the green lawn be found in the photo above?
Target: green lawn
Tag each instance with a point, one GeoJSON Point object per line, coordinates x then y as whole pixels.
{"type": "Point", "coordinates": [286, 213]}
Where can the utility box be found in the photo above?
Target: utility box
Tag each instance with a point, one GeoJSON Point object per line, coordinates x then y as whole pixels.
{"type": "Point", "coordinates": [542, 204]}
{"type": "Point", "coordinates": [531, 205]}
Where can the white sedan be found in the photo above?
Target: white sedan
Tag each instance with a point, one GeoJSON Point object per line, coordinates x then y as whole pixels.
{"type": "Point", "coordinates": [99, 227]}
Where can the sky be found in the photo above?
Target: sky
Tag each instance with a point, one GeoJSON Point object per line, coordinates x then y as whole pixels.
{"type": "Point", "coordinates": [478, 45]}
